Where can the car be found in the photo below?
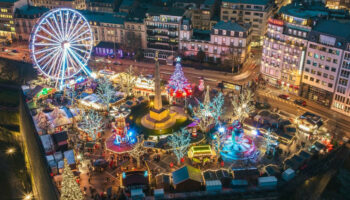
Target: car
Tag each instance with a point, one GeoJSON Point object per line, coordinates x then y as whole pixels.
{"type": "Point", "coordinates": [117, 63]}
{"type": "Point", "coordinates": [284, 96]}
{"type": "Point", "coordinates": [300, 102]}
{"type": "Point", "coordinates": [14, 51]}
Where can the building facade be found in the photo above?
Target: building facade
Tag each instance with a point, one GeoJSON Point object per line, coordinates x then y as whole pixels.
{"type": "Point", "coordinates": [323, 63]}
{"type": "Point", "coordinates": [226, 40]}
{"type": "Point", "coordinates": [25, 20]}
{"type": "Point", "coordinates": [256, 12]}
{"type": "Point", "coordinates": [51, 4]}
{"type": "Point", "coordinates": [163, 27]}
{"type": "Point", "coordinates": [106, 6]}
{"type": "Point", "coordinates": [7, 22]}
{"type": "Point", "coordinates": [283, 54]}
{"type": "Point", "coordinates": [201, 17]}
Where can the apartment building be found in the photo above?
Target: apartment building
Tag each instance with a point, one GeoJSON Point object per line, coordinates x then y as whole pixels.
{"type": "Point", "coordinates": [326, 45]}
{"type": "Point", "coordinates": [202, 16]}
{"type": "Point", "coordinates": [163, 27]}
{"type": "Point", "coordinates": [106, 6]}
{"type": "Point", "coordinates": [256, 12]}
{"type": "Point", "coordinates": [7, 23]}
{"type": "Point", "coordinates": [225, 40]}
{"type": "Point", "coordinates": [25, 19]}
{"type": "Point", "coordinates": [56, 3]}
{"type": "Point", "coordinates": [338, 4]}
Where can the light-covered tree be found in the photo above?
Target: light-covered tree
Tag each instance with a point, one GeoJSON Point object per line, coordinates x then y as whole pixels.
{"type": "Point", "coordinates": [70, 189]}
{"type": "Point", "coordinates": [105, 91]}
{"type": "Point", "coordinates": [179, 142]}
{"type": "Point", "coordinates": [242, 105]}
{"type": "Point", "coordinates": [91, 123]}
{"type": "Point", "coordinates": [127, 81]}
{"type": "Point", "coordinates": [138, 151]}
{"type": "Point", "coordinates": [217, 105]}
{"type": "Point", "coordinates": [208, 112]}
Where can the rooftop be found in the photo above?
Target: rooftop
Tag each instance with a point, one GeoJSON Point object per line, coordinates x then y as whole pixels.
{"type": "Point", "coordinates": [313, 10]}
{"type": "Point", "coordinates": [153, 11]}
{"type": "Point", "coordinates": [102, 17]}
{"type": "Point", "coordinates": [185, 173]}
{"type": "Point", "coordinates": [8, 1]}
{"type": "Point", "coordinates": [231, 26]}
{"type": "Point", "coordinates": [253, 2]}
{"type": "Point", "coordinates": [31, 10]}
{"type": "Point", "coordinates": [127, 3]}
{"type": "Point", "coordinates": [201, 34]}
{"type": "Point", "coordinates": [334, 28]}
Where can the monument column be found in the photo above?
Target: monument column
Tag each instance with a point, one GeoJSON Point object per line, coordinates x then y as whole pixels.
{"type": "Point", "coordinates": [158, 96]}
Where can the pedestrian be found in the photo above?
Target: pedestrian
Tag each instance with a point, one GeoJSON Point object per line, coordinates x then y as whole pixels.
{"type": "Point", "coordinates": [89, 180]}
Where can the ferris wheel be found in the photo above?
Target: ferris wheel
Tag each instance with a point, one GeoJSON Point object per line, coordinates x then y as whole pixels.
{"type": "Point", "coordinates": [61, 43]}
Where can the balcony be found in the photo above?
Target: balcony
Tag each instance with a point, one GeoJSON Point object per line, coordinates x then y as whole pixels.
{"type": "Point", "coordinates": [162, 47]}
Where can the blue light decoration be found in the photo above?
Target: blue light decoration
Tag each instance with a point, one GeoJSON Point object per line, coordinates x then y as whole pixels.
{"type": "Point", "coordinates": [145, 174]}
{"type": "Point", "coordinates": [255, 132]}
{"type": "Point", "coordinates": [221, 129]}
{"type": "Point", "coordinates": [61, 44]}
{"type": "Point", "coordinates": [123, 175]}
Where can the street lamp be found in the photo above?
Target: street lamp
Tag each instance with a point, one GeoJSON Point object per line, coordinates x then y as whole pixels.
{"type": "Point", "coordinates": [10, 151]}
{"type": "Point", "coordinates": [28, 196]}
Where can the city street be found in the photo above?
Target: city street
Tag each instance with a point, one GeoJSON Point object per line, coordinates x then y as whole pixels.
{"type": "Point", "coordinates": [334, 120]}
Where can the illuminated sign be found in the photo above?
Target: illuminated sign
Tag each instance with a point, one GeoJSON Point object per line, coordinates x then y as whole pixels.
{"type": "Point", "coordinates": [276, 22]}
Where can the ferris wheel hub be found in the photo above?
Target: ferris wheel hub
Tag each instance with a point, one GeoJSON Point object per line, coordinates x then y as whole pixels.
{"type": "Point", "coordinates": [65, 45]}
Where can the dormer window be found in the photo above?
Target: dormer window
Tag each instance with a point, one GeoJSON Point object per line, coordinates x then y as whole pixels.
{"type": "Point", "coordinates": [223, 32]}
{"type": "Point", "coordinates": [232, 33]}
{"type": "Point", "coordinates": [216, 31]}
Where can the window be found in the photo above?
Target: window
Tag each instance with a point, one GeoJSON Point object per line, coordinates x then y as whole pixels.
{"type": "Point", "coordinates": [306, 77]}
{"type": "Point", "coordinates": [232, 33]}
{"type": "Point", "coordinates": [313, 71]}
{"type": "Point", "coordinates": [310, 54]}
{"type": "Point", "coordinates": [316, 56]}
{"type": "Point", "coordinates": [322, 57]}
{"type": "Point", "coordinates": [343, 82]}
{"type": "Point", "coordinates": [333, 69]}
{"type": "Point", "coordinates": [308, 62]}
{"type": "Point", "coordinates": [335, 61]}
{"type": "Point", "coordinates": [327, 67]}
{"type": "Point", "coordinates": [329, 59]}
{"type": "Point", "coordinates": [320, 66]}
{"type": "Point", "coordinates": [317, 81]}
{"type": "Point", "coordinates": [216, 31]}
{"type": "Point", "coordinates": [325, 75]}
{"type": "Point", "coordinates": [330, 85]}
{"type": "Point", "coordinates": [224, 32]}
{"type": "Point", "coordinates": [331, 77]}
{"type": "Point", "coordinates": [312, 79]}
{"type": "Point", "coordinates": [307, 69]}
{"type": "Point", "coordinates": [319, 73]}
{"type": "Point", "coordinates": [314, 64]}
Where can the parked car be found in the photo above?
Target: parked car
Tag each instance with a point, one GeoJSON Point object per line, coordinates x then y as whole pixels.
{"type": "Point", "coordinates": [117, 63]}
{"type": "Point", "coordinates": [14, 51]}
{"type": "Point", "coordinates": [284, 96]}
{"type": "Point", "coordinates": [300, 102]}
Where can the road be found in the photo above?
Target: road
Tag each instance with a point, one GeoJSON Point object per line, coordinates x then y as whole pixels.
{"type": "Point", "coordinates": [335, 120]}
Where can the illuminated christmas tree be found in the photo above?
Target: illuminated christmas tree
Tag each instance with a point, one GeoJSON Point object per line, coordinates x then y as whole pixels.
{"type": "Point", "coordinates": [70, 188]}
{"type": "Point", "coordinates": [178, 85]}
